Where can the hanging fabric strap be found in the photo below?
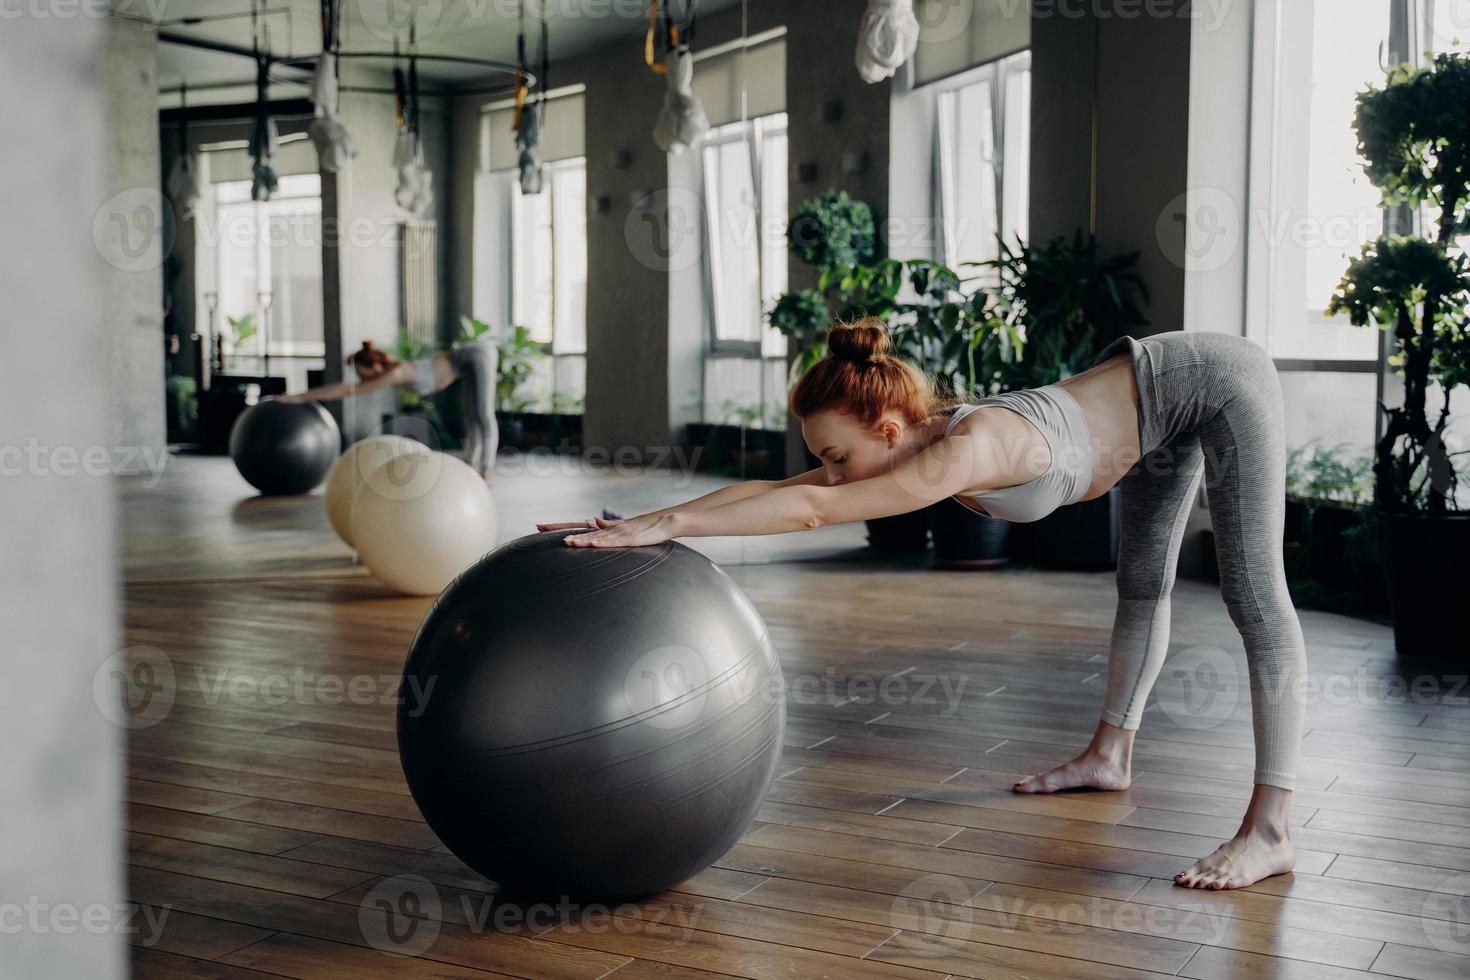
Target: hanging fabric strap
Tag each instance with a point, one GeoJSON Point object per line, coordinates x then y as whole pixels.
{"type": "Point", "coordinates": [521, 86]}
{"type": "Point", "coordinates": [674, 32]}
{"type": "Point", "coordinates": [400, 90]}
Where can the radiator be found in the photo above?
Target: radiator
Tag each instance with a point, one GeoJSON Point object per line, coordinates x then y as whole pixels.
{"type": "Point", "coordinates": [420, 275]}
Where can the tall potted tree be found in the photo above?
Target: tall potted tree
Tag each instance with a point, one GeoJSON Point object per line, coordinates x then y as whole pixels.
{"type": "Point", "coordinates": [1414, 135]}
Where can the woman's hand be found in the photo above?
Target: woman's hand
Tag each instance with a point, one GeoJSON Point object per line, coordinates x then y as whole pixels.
{"type": "Point", "coordinates": [591, 523]}
{"type": "Point", "coordinates": [635, 532]}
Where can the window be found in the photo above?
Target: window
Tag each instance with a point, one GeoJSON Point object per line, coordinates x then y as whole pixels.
{"type": "Point", "coordinates": [1312, 208]}
{"type": "Point", "coordinates": [549, 276]}
{"type": "Point", "coordinates": [745, 197]}
{"type": "Point", "coordinates": [268, 265]}
{"type": "Point", "coordinates": [983, 156]}
{"type": "Point", "coordinates": [745, 214]}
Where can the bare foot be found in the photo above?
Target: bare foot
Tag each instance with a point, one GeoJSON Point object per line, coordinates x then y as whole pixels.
{"type": "Point", "coordinates": [1087, 771]}
{"type": "Point", "coordinates": [1241, 861]}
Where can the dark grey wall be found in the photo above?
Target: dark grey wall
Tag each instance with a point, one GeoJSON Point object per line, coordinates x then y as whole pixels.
{"type": "Point", "coordinates": [1110, 139]}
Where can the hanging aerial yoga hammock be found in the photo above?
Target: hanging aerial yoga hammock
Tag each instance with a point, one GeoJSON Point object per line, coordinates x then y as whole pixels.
{"type": "Point", "coordinates": [887, 38]}
{"type": "Point", "coordinates": [183, 184]}
{"type": "Point", "coordinates": [334, 146]}
{"type": "Point", "coordinates": [682, 120]}
{"type": "Point", "coordinates": [530, 109]}
{"type": "Point", "coordinates": [415, 190]}
{"type": "Point", "coordinates": [264, 139]}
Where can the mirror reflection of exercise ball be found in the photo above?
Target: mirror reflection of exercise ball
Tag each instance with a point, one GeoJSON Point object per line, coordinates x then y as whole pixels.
{"type": "Point", "coordinates": [283, 448]}
{"type": "Point", "coordinates": [592, 723]}
{"type": "Point", "coordinates": [422, 518]}
{"type": "Point", "coordinates": [352, 468]}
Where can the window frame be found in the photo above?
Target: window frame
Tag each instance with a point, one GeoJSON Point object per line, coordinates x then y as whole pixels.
{"type": "Point", "coordinates": [269, 343]}
{"type": "Point", "coordinates": [555, 354]}
{"type": "Point", "coordinates": [754, 133]}
{"type": "Point", "coordinates": [999, 73]}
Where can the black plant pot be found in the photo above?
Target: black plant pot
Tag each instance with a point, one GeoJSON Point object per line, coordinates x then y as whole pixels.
{"type": "Point", "coordinates": [512, 430]}
{"type": "Point", "coordinates": [1423, 570]}
{"type": "Point", "coordinates": [1084, 535]}
{"type": "Point", "coordinates": [900, 533]}
{"type": "Point", "coordinates": [964, 538]}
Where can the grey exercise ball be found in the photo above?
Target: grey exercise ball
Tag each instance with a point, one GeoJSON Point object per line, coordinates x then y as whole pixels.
{"type": "Point", "coordinates": [590, 724]}
{"type": "Point", "coordinates": [282, 448]}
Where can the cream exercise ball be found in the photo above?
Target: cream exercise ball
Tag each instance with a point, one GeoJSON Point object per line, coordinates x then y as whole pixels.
{"type": "Point", "coordinates": [422, 518]}
{"type": "Point", "coordinates": [352, 468]}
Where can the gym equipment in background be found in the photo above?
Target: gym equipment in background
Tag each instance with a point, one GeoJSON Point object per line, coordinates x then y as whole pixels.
{"type": "Point", "coordinates": [282, 448]}
{"type": "Point", "coordinates": [595, 724]}
{"type": "Point", "coordinates": [422, 518]}
{"type": "Point", "coordinates": [352, 469]}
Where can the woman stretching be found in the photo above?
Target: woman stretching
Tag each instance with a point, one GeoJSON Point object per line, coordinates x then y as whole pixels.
{"type": "Point", "coordinates": [1151, 415]}
{"type": "Point", "coordinates": [473, 365]}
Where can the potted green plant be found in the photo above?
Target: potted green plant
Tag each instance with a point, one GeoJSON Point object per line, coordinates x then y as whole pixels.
{"type": "Point", "coordinates": [1069, 303]}
{"type": "Point", "coordinates": [1414, 136]}
{"type": "Point", "coordinates": [1331, 558]}
{"type": "Point", "coordinates": [518, 355]}
{"type": "Point", "coordinates": [416, 416]}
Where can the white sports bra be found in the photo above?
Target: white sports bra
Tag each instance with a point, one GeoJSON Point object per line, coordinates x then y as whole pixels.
{"type": "Point", "coordinates": [1063, 425]}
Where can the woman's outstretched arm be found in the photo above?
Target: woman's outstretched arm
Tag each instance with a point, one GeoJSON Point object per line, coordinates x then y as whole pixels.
{"type": "Point", "coordinates": [717, 498]}
{"type": "Point", "coordinates": [943, 470]}
{"type": "Point", "coordinates": [346, 389]}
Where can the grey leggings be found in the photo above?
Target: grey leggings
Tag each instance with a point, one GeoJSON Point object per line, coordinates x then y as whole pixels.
{"type": "Point", "coordinates": [475, 364]}
{"type": "Point", "coordinates": [1209, 404]}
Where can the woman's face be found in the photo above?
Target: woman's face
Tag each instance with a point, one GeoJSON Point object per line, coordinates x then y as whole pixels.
{"type": "Point", "coordinates": [367, 372]}
{"type": "Point", "coordinates": [849, 451]}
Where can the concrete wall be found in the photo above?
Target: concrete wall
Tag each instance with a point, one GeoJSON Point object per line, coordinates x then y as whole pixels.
{"type": "Point", "coordinates": [134, 314]}
{"type": "Point", "coordinates": [60, 849]}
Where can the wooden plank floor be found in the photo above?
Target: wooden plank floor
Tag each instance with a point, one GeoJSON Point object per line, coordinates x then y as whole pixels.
{"type": "Point", "coordinates": [270, 832]}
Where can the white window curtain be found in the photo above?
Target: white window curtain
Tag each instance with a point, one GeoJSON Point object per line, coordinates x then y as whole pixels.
{"type": "Point", "coordinates": [983, 140]}
{"type": "Point", "coordinates": [549, 280]}
{"type": "Point", "coordinates": [530, 261]}
{"type": "Point", "coordinates": [956, 35]}
{"type": "Point", "coordinates": [744, 174]}
{"type": "Point", "coordinates": [562, 133]}
{"type": "Point", "coordinates": [262, 259]}
{"type": "Point", "coordinates": [745, 222]}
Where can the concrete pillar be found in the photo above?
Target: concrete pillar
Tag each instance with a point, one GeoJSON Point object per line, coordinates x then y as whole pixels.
{"type": "Point", "coordinates": [68, 325]}
{"type": "Point", "coordinates": [141, 238]}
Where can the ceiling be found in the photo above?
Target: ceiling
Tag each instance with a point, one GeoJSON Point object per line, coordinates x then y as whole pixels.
{"type": "Point", "coordinates": [464, 28]}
